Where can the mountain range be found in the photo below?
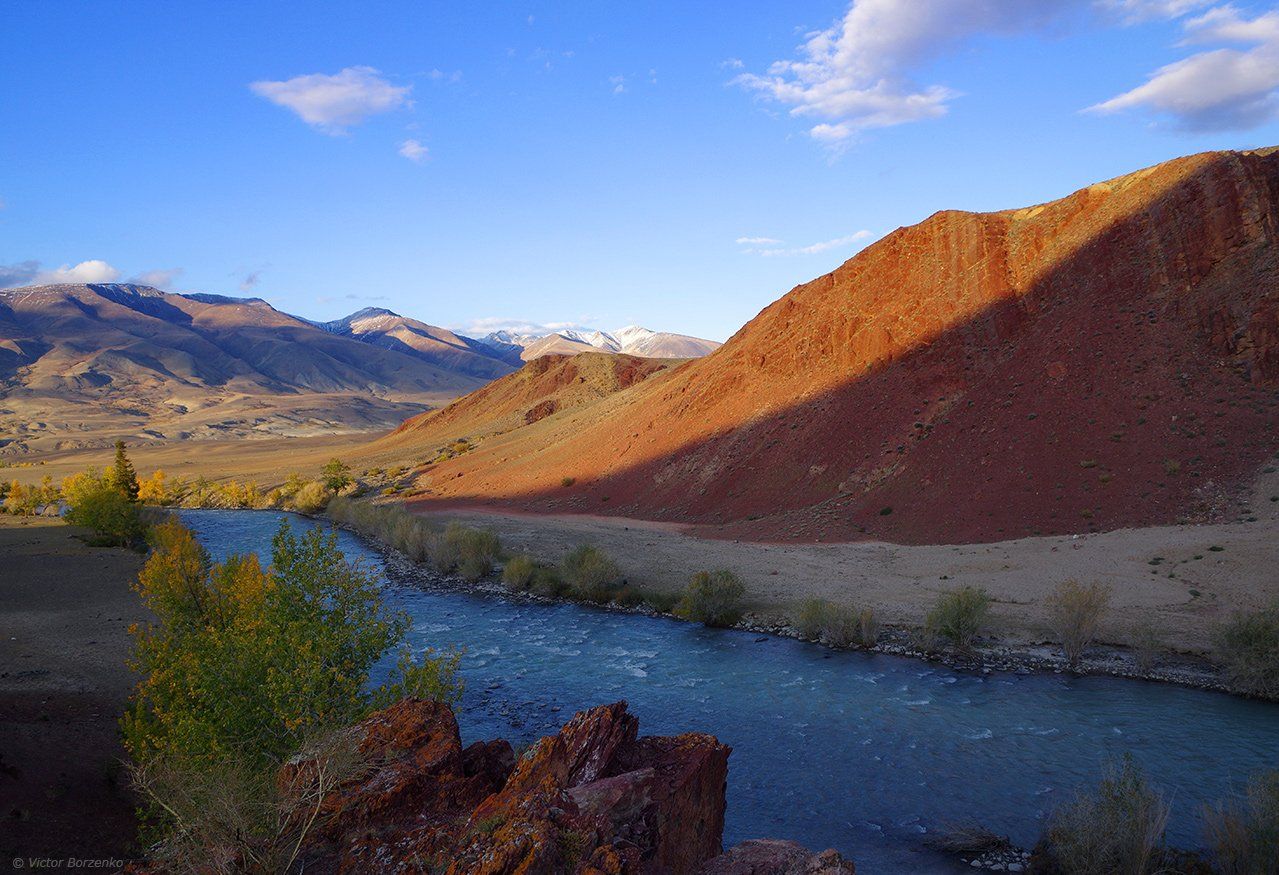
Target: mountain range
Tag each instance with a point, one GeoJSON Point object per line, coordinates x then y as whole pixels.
{"type": "Point", "coordinates": [83, 363]}
{"type": "Point", "coordinates": [631, 340]}
{"type": "Point", "coordinates": [1104, 360]}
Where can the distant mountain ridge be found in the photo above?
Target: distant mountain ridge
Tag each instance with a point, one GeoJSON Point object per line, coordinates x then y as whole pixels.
{"type": "Point", "coordinates": [631, 340]}
{"type": "Point", "coordinates": [77, 360]}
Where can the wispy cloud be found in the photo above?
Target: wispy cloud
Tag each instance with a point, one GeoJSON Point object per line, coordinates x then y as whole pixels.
{"type": "Point", "coordinates": [1222, 88]}
{"type": "Point", "coordinates": [334, 103]}
{"type": "Point", "coordinates": [159, 279]}
{"type": "Point", "coordinates": [1136, 11]}
{"type": "Point", "coordinates": [18, 274]}
{"type": "Point", "coordinates": [250, 281]}
{"type": "Point", "coordinates": [757, 241]}
{"type": "Point", "coordinates": [811, 249]}
{"type": "Point", "coordinates": [414, 151]}
{"type": "Point", "coordinates": [330, 299]}
{"type": "Point", "coordinates": [618, 83]}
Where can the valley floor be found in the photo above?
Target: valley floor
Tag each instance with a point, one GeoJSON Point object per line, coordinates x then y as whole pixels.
{"type": "Point", "coordinates": [65, 610]}
{"type": "Point", "coordinates": [1181, 579]}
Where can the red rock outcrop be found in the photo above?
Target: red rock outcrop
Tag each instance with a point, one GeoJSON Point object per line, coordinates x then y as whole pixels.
{"type": "Point", "coordinates": [594, 798]}
{"type": "Point", "coordinates": [1100, 361]}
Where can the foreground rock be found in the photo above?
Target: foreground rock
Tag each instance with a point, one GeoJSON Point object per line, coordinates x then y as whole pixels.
{"type": "Point", "coordinates": [769, 856]}
{"type": "Point", "coordinates": [594, 799]}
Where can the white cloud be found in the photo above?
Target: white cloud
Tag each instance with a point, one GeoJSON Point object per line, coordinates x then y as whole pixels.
{"type": "Point", "coordinates": [414, 151]}
{"type": "Point", "coordinates": [731, 64]}
{"type": "Point", "coordinates": [757, 241]}
{"type": "Point", "coordinates": [93, 271]}
{"type": "Point", "coordinates": [856, 75]}
{"type": "Point", "coordinates": [812, 249]}
{"type": "Point", "coordinates": [618, 83]}
{"type": "Point", "coordinates": [334, 103]}
{"type": "Point", "coordinates": [1134, 11]}
{"type": "Point", "coordinates": [159, 279]}
{"type": "Point", "coordinates": [1223, 88]}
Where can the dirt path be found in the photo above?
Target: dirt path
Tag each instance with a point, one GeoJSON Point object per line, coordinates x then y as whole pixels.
{"type": "Point", "coordinates": [1180, 578]}
{"type": "Point", "coordinates": [65, 609]}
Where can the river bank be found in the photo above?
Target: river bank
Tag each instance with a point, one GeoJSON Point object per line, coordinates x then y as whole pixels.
{"type": "Point", "coordinates": [924, 746]}
{"type": "Point", "coordinates": [65, 611]}
{"type": "Point", "coordinates": [989, 655]}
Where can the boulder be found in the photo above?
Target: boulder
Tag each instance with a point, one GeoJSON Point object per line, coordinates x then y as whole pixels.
{"type": "Point", "coordinates": [594, 798]}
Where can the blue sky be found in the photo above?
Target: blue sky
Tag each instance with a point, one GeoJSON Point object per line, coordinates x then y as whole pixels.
{"type": "Point", "coordinates": [489, 165]}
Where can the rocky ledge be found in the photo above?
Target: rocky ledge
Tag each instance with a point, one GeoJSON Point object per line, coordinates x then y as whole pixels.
{"type": "Point", "coordinates": [594, 799]}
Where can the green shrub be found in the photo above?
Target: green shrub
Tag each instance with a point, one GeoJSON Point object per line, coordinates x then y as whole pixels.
{"type": "Point", "coordinates": [311, 498]}
{"type": "Point", "coordinates": [811, 618]}
{"type": "Point", "coordinates": [335, 475]}
{"type": "Point", "coordinates": [518, 573]}
{"type": "Point", "coordinates": [1075, 612]}
{"type": "Point", "coordinates": [591, 574]}
{"type": "Point", "coordinates": [713, 598]}
{"type": "Point", "coordinates": [1146, 641]}
{"type": "Point", "coordinates": [1116, 828]}
{"type": "Point", "coordinates": [1244, 835]}
{"type": "Point", "coordinates": [837, 625]}
{"type": "Point", "coordinates": [106, 510]}
{"type": "Point", "coordinates": [958, 615]}
{"type": "Point", "coordinates": [1249, 646]}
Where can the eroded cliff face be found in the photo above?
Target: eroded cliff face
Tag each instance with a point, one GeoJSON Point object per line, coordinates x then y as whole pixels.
{"type": "Point", "coordinates": [1108, 359]}
{"type": "Point", "coordinates": [594, 799]}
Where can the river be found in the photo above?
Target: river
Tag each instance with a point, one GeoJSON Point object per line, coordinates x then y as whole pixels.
{"type": "Point", "coordinates": [865, 753]}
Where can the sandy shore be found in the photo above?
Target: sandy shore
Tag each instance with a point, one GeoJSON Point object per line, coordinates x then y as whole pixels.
{"type": "Point", "coordinates": [65, 610]}
{"type": "Point", "coordinates": [1182, 579]}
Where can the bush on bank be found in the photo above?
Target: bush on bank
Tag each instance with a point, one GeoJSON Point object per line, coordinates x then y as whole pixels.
{"type": "Point", "coordinates": [1249, 647]}
{"type": "Point", "coordinates": [958, 616]}
{"type": "Point", "coordinates": [836, 625]}
{"type": "Point", "coordinates": [1117, 826]}
{"type": "Point", "coordinates": [713, 598]}
{"type": "Point", "coordinates": [243, 667]}
{"type": "Point", "coordinates": [1075, 611]}
{"type": "Point", "coordinates": [591, 574]}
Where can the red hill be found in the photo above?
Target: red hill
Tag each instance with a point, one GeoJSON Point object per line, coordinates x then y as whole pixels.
{"type": "Point", "coordinates": [1109, 359]}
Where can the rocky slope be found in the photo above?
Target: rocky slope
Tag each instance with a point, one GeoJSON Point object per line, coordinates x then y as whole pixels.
{"type": "Point", "coordinates": [81, 360]}
{"type": "Point", "coordinates": [545, 386]}
{"type": "Point", "coordinates": [595, 798]}
{"type": "Point", "coordinates": [1109, 359]}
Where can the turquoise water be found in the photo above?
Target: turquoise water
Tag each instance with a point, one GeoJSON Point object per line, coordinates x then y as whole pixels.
{"type": "Point", "coordinates": [862, 752]}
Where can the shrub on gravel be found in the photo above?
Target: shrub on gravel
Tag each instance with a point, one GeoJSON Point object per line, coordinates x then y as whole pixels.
{"type": "Point", "coordinates": [958, 615]}
{"type": "Point", "coordinates": [1249, 646]}
{"type": "Point", "coordinates": [713, 598]}
{"type": "Point", "coordinates": [593, 576]}
{"type": "Point", "coordinates": [1075, 612]}
{"type": "Point", "coordinates": [518, 573]}
{"type": "Point", "coordinates": [1117, 827]}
